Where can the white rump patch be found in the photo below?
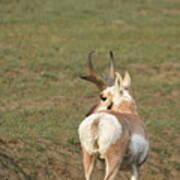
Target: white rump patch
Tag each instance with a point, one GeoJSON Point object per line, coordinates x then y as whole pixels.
{"type": "Point", "coordinates": [139, 148]}
{"type": "Point", "coordinates": [108, 131]}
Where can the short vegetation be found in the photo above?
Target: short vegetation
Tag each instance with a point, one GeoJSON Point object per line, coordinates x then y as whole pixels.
{"type": "Point", "coordinates": [43, 47]}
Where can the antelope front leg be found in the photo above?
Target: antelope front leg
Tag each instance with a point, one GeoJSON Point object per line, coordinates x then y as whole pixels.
{"type": "Point", "coordinates": [88, 163]}
{"type": "Point", "coordinates": [135, 172]}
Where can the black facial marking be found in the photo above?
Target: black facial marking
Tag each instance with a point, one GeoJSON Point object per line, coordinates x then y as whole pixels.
{"type": "Point", "coordinates": [103, 98]}
{"type": "Point", "coordinates": [110, 106]}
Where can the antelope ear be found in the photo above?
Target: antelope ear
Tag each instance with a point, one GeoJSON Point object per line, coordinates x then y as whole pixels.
{"type": "Point", "coordinates": [118, 80]}
{"type": "Point", "coordinates": [127, 80]}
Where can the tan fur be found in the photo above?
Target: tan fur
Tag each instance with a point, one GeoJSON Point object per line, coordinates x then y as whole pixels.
{"type": "Point", "coordinates": [114, 156]}
{"type": "Point", "coordinates": [94, 127]}
{"type": "Point", "coordinates": [125, 107]}
{"type": "Point", "coordinates": [94, 131]}
{"type": "Point", "coordinates": [131, 121]}
{"type": "Point", "coordinates": [88, 162]}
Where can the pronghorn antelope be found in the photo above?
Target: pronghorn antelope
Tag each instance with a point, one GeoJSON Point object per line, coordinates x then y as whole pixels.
{"type": "Point", "coordinates": [113, 130]}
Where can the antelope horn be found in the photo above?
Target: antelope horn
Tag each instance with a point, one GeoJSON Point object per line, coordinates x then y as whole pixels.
{"type": "Point", "coordinates": [93, 77]}
{"type": "Point", "coordinates": [111, 76]}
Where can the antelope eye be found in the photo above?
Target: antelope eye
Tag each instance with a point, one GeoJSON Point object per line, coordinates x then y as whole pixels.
{"type": "Point", "coordinates": [103, 98]}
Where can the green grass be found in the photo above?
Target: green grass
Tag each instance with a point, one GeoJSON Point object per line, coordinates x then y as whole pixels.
{"type": "Point", "coordinates": [43, 47]}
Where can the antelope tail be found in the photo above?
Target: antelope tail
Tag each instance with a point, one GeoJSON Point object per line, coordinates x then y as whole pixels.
{"type": "Point", "coordinates": [94, 133]}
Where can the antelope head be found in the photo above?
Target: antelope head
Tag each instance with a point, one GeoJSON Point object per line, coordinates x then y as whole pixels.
{"type": "Point", "coordinates": [119, 94]}
{"type": "Point", "coordinates": [115, 93]}
{"type": "Point", "coordinates": [101, 84]}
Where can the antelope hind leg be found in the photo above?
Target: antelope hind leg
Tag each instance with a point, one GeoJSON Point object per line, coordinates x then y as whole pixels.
{"type": "Point", "coordinates": [88, 163]}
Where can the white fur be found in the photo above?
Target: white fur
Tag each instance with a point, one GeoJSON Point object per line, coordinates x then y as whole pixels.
{"type": "Point", "coordinates": [133, 178]}
{"type": "Point", "coordinates": [139, 148]}
{"type": "Point", "coordinates": [134, 172]}
{"type": "Point", "coordinates": [116, 97]}
{"type": "Point", "coordinates": [108, 131]}
{"type": "Point", "coordinates": [126, 96]}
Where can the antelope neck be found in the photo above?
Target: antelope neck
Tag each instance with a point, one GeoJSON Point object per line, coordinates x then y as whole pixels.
{"type": "Point", "coordinates": [125, 107]}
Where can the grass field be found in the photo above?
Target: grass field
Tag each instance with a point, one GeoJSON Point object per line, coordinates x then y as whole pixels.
{"type": "Point", "coordinates": [43, 47]}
